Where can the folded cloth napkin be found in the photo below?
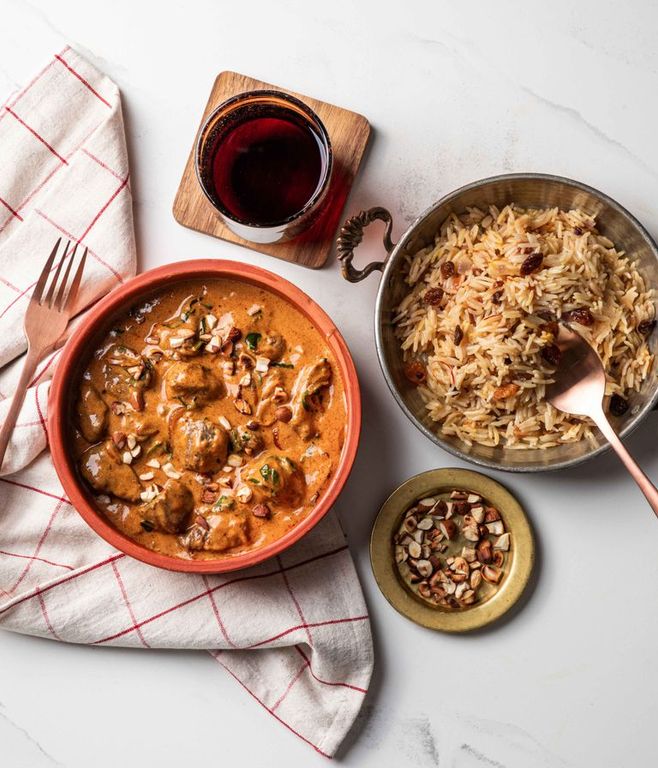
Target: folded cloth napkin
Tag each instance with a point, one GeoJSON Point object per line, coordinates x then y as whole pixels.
{"type": "Point", "coordinates": [294, 631]}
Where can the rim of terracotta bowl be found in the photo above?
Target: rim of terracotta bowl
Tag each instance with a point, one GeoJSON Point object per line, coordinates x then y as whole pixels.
{"type": "Point", "coordinates": [77, 349]}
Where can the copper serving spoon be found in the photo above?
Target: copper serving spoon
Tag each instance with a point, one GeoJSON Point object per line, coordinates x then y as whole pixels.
{"type": "Point", "coordinates": [579, 389]}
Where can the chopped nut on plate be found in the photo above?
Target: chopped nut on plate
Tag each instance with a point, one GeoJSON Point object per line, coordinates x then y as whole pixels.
{"type": "Point", "coordinates": [451, 549]}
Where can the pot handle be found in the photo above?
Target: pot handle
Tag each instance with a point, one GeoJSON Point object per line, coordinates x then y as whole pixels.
{"type": "Point", "coordinates": [351, 234]}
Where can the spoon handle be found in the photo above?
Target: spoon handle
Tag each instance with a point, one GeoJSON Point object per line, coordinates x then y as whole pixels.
{"type": "Point", "coordinates": [646, 486]}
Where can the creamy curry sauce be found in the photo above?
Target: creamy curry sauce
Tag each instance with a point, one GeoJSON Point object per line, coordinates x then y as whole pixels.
{"type": "Point", "coordinates": [209, 420]}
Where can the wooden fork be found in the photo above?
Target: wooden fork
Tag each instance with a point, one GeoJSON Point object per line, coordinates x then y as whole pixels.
{"type": "Point", "coordinates": [45, 322]}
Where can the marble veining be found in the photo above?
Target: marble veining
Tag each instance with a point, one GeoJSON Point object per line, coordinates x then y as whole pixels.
{"type": "Point", "coordinates": [455, 92]}
{"type": "Point", "coordinates": [15, 739]}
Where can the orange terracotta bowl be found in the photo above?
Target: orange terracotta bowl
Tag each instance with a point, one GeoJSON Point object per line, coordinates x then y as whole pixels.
{"type": "Point", "coordinates": [94, 327]}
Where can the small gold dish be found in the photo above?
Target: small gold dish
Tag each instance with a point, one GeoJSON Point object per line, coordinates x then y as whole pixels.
{"type": "Point", "coordinates": [518, 566]}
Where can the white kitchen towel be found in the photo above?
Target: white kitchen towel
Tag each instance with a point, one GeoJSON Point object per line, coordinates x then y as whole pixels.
{"type": "Point", "coordinates": [294, 631]}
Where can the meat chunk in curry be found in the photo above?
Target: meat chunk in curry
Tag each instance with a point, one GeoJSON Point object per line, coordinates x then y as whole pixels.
{"type": "Point", "coordinates": [171, 508]}
{"type": "Point", "coordinates": [272, 346]}
{"type": "Point", "coordinates": [199, 445]}
{"type": "Point", "coordinates": [103, 468]}
{"type": "Point", "coordinates": [192, 383]}
{"type": "Point", "coordinates": [209, 420]}
{"type": "Point", "coordinates": [306, 396]}
{"type": "Point", "coordinates": [218, 532]}
{"type": "Point", "coordinates": [92, 413]}
{"type": "Point", "coordinates": [275, 477]}
{"type": "Point", "coordinates": [126, 374]}
{"type": "Point", "coordinates": [246, 440]}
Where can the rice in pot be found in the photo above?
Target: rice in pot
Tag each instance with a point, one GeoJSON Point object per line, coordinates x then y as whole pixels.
{"type": "Point", "coordinates": [478, 325]}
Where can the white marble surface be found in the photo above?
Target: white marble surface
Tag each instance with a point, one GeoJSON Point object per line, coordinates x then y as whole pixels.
{"type": "Point", "coordinates": [455, 92]}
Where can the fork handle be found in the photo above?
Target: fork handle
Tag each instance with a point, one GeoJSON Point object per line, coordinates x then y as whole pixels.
{"type": "Point", "coordinates": [29, 367]}
{"type": "Point", "coordinates": [646, 486]}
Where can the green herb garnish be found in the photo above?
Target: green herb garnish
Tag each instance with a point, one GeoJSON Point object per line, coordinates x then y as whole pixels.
{"type": "Point", "coordinates": [281, 365]}
{"type": "Point", "coordinates": [153, 447]}
{"type": "Point", "coordinates": [147, 525]}
{"type": "Point", "coordinates": [252, 340]}
{"type": "Point", "coordinates": [270, 475]}
{"type": "Point", "coordinates": [185, 314]}
{"type": "Point", "coordinates": [237, 440]}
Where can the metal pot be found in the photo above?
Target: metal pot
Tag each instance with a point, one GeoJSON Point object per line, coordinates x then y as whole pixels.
{"type": "Point", "coordinates": [527, 190]}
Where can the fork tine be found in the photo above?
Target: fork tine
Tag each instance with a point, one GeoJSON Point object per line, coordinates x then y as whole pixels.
{"type": "Point", "coordinates": [59, 299]}
{"type": "Point", "coordinates": [75, 285]}
{"type": "Point", "coordinates": [38, 288]}
{"type": "Point", "coordinates": [55, 279]}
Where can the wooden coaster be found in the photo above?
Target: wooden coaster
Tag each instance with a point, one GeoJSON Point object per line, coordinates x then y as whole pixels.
{"type": "Point", "coordinates": [348, 132]}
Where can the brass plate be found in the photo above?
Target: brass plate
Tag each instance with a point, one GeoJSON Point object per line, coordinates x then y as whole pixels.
{"type": "Point", "coordinates": [518, 569]}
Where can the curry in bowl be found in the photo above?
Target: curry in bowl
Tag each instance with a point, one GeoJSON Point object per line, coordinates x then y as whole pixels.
{"type": "Point", "coordinates": [209, 419]}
